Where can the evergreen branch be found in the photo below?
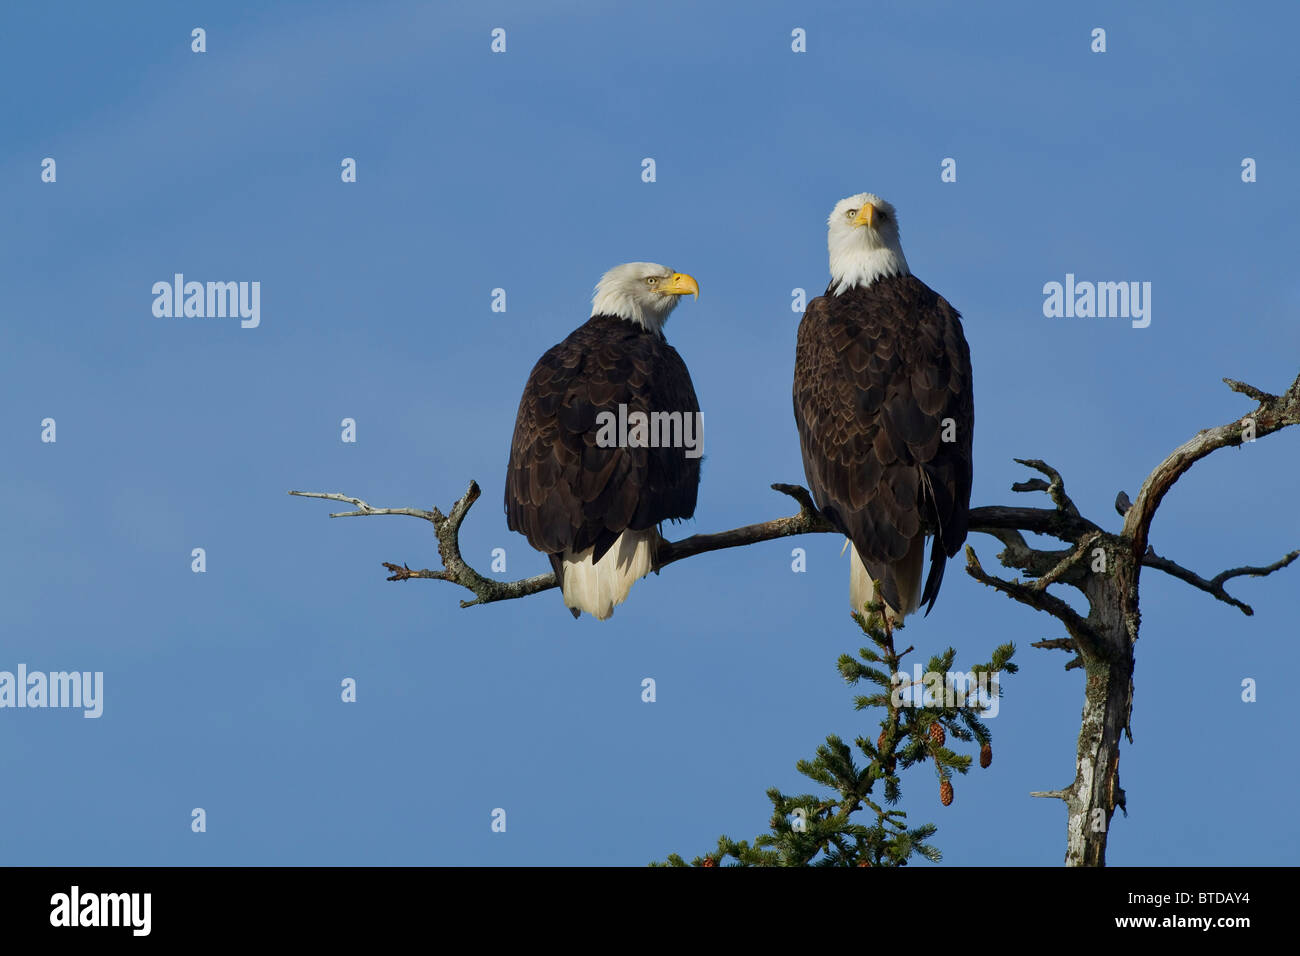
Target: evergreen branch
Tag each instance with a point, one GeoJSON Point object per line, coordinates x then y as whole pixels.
{"type": "Point", "coordinates": [826, 832]}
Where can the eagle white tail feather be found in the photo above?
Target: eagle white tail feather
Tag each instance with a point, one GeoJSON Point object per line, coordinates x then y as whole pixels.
{"type": "Point", "coordinates": [597, 587]}
{"type": "Point", "coordinates": [907, 576]}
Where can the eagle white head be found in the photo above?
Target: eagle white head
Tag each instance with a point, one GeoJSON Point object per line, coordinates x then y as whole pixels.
{"type": "Point", "coordinates": [642, 292]}
{"type": "Point", "coordinates": [863, 241]}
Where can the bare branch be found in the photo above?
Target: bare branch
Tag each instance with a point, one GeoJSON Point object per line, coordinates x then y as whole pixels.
{"type": "Point", "coordinates": [1040, 600]}
{"type": "Point", "coordinates": [1017, 554]}
{"type": "Point", "coordinates": [1274, 412]}
{"type": "Point", "coordinates": [808, 521]}
{"type": "Point", "coordinates": [1055, 644]}
{"type": "Point", "coordinates": [364, 509]}
{"type": "Point", "coordinates": [1007, 524]}
{"type": "Point", "coordinates": [1062, 644]}
{"type": "Point", "coordinates": [402, 572]}
{"type": "Point", "coordinates": [1215, 584]}
{"type": "Point", "coordinates": [1250, 391]}
{"type": "Point", "coordinates": [1055, 489]}
{"type": "Point", "coordinates": [1064, 794]}
{"type": "Point", "coordinates": [486, 590]}
{"type": "Point", "coordinates": [1068, 563]}
{"type": "Point", "coordinates": [990, 519]}
{"type": "Point", "coordinates": [1001, 522]}
{"type": "Point", "coordinates": [1031, 484]}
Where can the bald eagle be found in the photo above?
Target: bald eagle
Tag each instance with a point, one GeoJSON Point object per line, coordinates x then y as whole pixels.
{"type": "Point", "coordinates": [590, 496]}
{"type": "Point", "coordinates": [884, 408]}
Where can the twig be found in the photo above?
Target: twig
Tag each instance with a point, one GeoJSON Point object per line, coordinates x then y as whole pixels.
{"type": "Point", "coordinates": [1063, 794]}
{"type": "Point", "coordinates": [1077, 626]}
{"type": "Point", "coordinates": [1072, 559]}
{"type": "Point", "coordinates": [1215, 584]}
{"type": "Point", "coordinates": [364, 509]}
{"type": "Point", "coordinates": [1055, 488]}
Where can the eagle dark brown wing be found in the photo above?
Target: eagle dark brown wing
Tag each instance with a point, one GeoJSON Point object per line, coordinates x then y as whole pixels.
{"type": "Point", "coordinates": [564, 491]}
{"type": "Point", "coordinates": [878, 370]}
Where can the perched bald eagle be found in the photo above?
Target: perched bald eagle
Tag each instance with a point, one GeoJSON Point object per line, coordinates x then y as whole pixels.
{"type": "Point", "coordinates": [589, 495]}
{"type": "Point", "coordinates": [884, 408]}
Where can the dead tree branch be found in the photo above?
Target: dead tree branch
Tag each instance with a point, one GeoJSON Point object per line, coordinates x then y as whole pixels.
{"type": "Point", "coordinates": [486, 590]}
{"type": "Point", "coordinates": [1214, 585]}
{"type": "Point", "coordinates": [1274, 413]}
{"type": "Point", "coordinates": [1105, 567]}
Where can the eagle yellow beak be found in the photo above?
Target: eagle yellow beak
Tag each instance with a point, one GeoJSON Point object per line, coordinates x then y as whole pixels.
{"type": "Point", "coordinates": [866, 216]}
{"type": "Point", "coordinates": [679, 283]}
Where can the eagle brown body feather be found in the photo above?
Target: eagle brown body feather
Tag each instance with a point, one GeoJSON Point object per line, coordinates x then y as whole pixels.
{"type": "Point", "coordinates": [877, 371]}
{"type": "Point", "coordinates": [565, 492]}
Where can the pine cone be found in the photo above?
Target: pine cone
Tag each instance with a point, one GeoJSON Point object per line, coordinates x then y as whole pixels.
{"type": "Point", "coordinates": [937, 733]}
{"type": "Point", "coordinates": [864, 862]}
{"type": "Point", "coordinates": [945, 793]}
{"type": "Point", "coordinates": [880, 742]}
{"type": "Point", "coordinates": [708, 861]}
{"type": "Point", "coordinates": [986, 755]}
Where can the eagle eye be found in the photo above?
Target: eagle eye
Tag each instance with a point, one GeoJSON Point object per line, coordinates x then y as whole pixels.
{"type": "Point", "coordinates": [652, 280]}
{"type": "Point", "coordinates": [851, 214]}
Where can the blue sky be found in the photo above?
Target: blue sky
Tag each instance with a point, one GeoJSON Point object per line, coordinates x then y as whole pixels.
{"type": "Point", "coordinates": [522, 171]}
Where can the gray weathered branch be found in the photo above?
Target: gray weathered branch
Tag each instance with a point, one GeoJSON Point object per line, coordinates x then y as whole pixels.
{"type": "Point", "coordinates": [1103, 642]}
{"type": "Point", "coordinates": [1035, 597]}
{"type": "Point", "coordinates": [1274, 412]}
{"type": "Point", "coordinates": [486, 590]}
{"type": "Point", "coordinates": [1004, 523]}
{"type": "Point", "coordinates": [1215, 584]}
